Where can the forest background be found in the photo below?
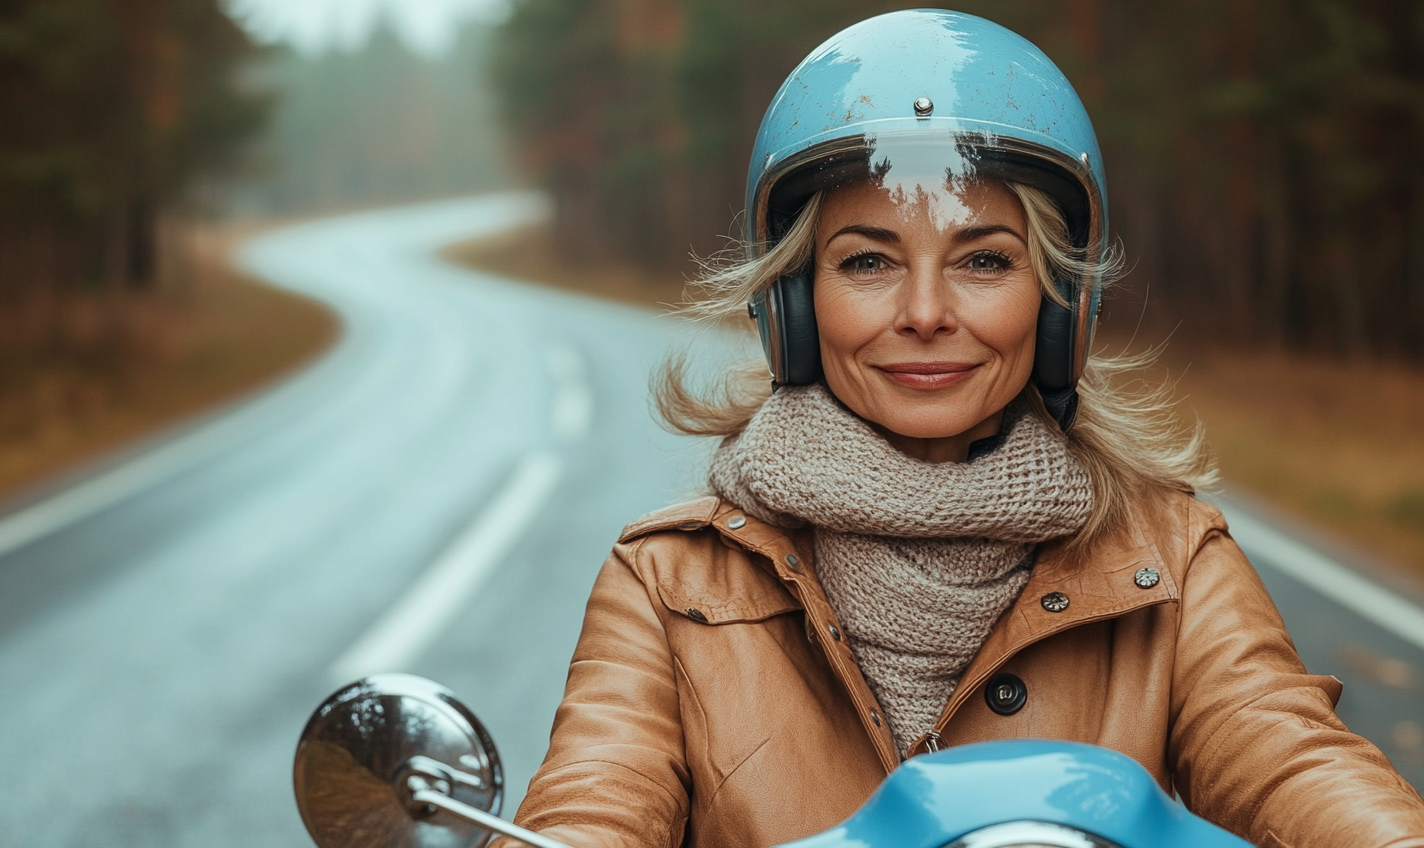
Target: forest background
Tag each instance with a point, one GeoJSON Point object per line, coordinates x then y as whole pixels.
{"type": "Point", "coordinates": [1264, 161]}
{"type": "Point", "coordinates": [1265, 155]}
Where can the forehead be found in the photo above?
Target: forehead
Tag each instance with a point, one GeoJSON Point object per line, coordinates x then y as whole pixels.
{"type": "Point", "coordinates": [953, 205]}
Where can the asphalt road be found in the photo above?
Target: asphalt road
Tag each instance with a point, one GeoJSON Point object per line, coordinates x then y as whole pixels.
{"type": "Point", "coordinates": [435, 494]}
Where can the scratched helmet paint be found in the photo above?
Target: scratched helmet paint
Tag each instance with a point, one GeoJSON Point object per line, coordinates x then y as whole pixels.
{"type": "Point", "coordinates": [920, 101]}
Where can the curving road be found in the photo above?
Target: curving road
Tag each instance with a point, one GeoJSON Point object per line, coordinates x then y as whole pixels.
{"type": "Point", "coordinates": [435, 494]}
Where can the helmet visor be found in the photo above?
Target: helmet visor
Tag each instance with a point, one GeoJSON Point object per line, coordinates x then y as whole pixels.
{"type": "Point", "coordinates": [930, 175]}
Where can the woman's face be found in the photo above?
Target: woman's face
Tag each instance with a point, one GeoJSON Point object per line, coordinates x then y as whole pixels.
{"type": "Point", "coordinates": [927, 321]}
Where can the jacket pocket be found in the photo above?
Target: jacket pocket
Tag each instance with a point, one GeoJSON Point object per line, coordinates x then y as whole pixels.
{"type": "Point", "coordinates": [731, 602]}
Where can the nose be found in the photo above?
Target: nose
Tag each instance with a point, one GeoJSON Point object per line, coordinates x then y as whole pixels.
{"type": "Point", "coordinates": [927, 304]}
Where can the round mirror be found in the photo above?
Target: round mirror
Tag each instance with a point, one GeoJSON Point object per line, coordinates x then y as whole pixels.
{"type": "Point", "coordinates": [369, 746]}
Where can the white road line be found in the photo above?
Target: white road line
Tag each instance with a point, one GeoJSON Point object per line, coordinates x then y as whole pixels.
{"type": "Point", "coordinates": [446, 587]}
{"type": "Point", "coordinates": [92, 496]}
{"type": "Point", "coordinates": [573, 400]}
{"type": "Point", "coordinates": [408, 628]}
{"type": "Point", "coordinates": [1347, 588]}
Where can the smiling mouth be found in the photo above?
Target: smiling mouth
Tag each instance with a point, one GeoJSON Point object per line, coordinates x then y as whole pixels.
{"type": "Point", "coordinates": [929, 375]}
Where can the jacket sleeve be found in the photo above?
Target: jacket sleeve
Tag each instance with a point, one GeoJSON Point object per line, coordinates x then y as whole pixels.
{"type": "Point", "coordinates": [615, 774]}
{"type": "Point", "coordinates": [1255, 742]}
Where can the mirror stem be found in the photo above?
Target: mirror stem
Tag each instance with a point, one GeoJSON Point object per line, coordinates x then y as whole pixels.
{"type": "Point", "coordinates": [438, 799]}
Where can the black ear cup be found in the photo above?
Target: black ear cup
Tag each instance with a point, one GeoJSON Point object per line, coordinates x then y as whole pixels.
{"type": "Point", "coordinates": [786, 321]}
{"type": "Point", "coordinates": [1054, 364]}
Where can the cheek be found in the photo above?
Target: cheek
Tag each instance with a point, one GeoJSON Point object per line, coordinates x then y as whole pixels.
{"type": "Point", "coordinates": [1009, 324]}
{"type": "Point", "coordinates": [846, 321]}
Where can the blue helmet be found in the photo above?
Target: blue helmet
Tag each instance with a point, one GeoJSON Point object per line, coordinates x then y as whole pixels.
{"type": "Point", "coordinates": [964, 94]}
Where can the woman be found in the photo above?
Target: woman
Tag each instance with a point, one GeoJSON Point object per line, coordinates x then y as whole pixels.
{"type": "Point", "coordinates": [944, 526]}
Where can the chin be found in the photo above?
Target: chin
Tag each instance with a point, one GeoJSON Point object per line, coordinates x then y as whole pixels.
{"type": "Point", "coordinates": [930, 426]}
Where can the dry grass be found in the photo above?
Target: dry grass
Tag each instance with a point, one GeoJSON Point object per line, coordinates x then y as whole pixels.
{"type": "Point", "coordinates": [1338, 444]}
{"type": "Point", "coordinates": [525, 254]}
{"type": "Point", "coordinates": [113, 373]}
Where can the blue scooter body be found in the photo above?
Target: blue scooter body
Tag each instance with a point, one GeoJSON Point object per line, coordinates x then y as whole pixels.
{"type": "Point", "coordinates": [933, 800]}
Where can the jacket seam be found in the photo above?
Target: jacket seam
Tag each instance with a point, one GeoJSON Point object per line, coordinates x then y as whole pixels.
{"type": "Point", "coordinates": [1172, 761]}
{"type": "Point", "coordinates": [636, 565]}
{"type": "Point", "coordinates": [738, 767]}
{"type": "Point", "coordinates": [1187, 566]}
{"type": "Point", "coordinates": [681, 671]}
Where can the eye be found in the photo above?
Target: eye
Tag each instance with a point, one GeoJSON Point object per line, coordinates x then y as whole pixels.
{"type": "Point", "coordinates": [989, 262]}
{"type": "Point", "coordinates": [863, 263]}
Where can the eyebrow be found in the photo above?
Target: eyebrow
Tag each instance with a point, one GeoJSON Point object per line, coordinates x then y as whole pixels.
{"type": "Point", "coordinates": [971, 233]}
{"type": "Point", "coordinates": [967, 234]}
{"type": "Point", "coordinates": [875, 233]}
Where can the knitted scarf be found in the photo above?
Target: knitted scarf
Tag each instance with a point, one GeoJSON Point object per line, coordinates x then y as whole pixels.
{"type": "Point", "coordinates": [917, 559]}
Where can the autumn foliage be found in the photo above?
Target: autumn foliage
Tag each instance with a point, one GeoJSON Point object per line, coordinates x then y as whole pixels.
{"type": "Point", "coordinates": [1264, 156]}
{"type": "Point", "coordinates": [112, 113]}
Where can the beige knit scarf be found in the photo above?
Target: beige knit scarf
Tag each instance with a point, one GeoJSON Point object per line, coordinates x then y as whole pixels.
{"type": "Point", "coordinates": [917, 559]}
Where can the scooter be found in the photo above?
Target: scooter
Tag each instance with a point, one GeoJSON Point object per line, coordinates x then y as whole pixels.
{"type": "Point", "coordinates": [396, 761]}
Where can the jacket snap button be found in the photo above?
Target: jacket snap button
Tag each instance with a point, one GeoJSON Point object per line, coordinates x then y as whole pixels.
{"type": "Point", "coordinates": [835, 632]}
{"type": "Point", "coordinates": [792, 561]}
{"type": "Point", "coordinates": [737, 522]}
{"type": "Point", "coordinates": [696, 615]}
{"type": "Point", "coordinates": [1006, 694]}
{"type": "Point", "coordinates": [1146, 577]}
{"type": "Point", "coordinates": [1055, 602]}
{"type": "Point", "coordinates": [875, 717]}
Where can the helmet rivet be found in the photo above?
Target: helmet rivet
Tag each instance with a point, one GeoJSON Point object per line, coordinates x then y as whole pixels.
{"type": "Point", "coordinates": [923, 107]}
{"type": "Point", "coordinates": [1084, 159]}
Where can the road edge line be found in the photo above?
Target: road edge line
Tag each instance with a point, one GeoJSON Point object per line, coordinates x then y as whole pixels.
{"type": "Point", "coordinates": [1362, 596]}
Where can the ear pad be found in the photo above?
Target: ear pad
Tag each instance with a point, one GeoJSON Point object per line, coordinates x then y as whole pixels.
{"type": "Point", "coordinates": [786, 321]}
{"type": "Point", "coordinates": [1054, 355]}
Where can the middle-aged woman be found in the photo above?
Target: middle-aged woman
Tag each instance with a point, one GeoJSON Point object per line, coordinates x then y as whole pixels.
{"type": "Point", "coordinates": [944, 525]}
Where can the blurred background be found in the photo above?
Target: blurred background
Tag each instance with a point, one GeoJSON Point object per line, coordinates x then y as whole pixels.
{"type": "Point", "coordinates": [1263, 160]}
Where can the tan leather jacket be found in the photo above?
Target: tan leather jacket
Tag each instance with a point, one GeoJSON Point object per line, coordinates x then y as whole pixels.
{"type": "Point", "coordinates": [713, 702]}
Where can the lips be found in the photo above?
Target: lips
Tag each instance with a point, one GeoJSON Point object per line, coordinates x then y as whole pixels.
{"type": "Point", "coordinates": [929, 375]}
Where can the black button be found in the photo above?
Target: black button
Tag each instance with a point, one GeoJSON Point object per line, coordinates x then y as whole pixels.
{"type": "Point", "coordinates": [1006, 694]}
{"type": "Point", "coordinates": [696, 615]}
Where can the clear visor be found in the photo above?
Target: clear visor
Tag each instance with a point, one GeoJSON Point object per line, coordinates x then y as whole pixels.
{"type": "Point", "coordinates": [926, 180]}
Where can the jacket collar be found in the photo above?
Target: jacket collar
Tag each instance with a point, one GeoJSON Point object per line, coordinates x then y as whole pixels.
{"type": "Point", "coordinates": [1101, 584]}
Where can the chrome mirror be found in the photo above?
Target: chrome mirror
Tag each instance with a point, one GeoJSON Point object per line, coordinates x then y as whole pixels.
{"type": "Point", "coordinates": [396, 761]}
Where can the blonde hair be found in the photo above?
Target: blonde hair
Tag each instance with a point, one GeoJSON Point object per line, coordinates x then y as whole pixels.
{"type": "Point", "coordinates": [1125, 434]}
